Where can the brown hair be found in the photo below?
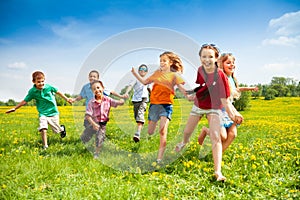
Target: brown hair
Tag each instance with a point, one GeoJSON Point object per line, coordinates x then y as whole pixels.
{"type": "Point", "coordinates": [37, 75]}
{"type": "Point", "coordinates": [176, 65]}
{"type": "Point", "coordinates": [210, 46]}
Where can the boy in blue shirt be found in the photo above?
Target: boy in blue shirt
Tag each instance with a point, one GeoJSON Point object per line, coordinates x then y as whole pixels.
{"type": "Point", "coordinates": [44, 94]}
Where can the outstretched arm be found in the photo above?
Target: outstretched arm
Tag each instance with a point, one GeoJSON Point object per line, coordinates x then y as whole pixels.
{"type": "Point", "coordinates": [69, 100]}
{"type": "Point", "coordinates": [242, 89]}
{"type": "Point", "coordinates": [138, 77]}
{"type": "Point", "coordinates": [22, 103]}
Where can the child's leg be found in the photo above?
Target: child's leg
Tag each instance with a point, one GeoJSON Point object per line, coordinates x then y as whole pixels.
{"type": "Point", "coordinates": [100, 137]}
{"type": "Point", "coordinates": [202, 135]}
{"type": "Point", "coordinates": [231, 135]}
{"type": "Point", "coordinates": [190, 127]}
{"type": "Point", "coordinates": [87, 134]}
{"type": "Point", "coordinates": [188, 130]}
{"type": "Point", "coordinates": [214, 133]}
{"type": "Point", "coordinates": [44, 137]}
{"type": "Point", "coordinates": [163, 131]}
{"type": "Point", "coordinates": [151, 127]}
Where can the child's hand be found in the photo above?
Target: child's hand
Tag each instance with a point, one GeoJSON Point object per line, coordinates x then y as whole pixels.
{"type": "Point", "coordinates": [10, 110]}
{"type": "Point", "coordinates": [121, 101]}
{"type": "Point", "coordinates": [190, 97]}
{"type": "Point", "coordinates": [96, 126]}
{"type": "Point", "coordinates": [238, 119]}
{"type": "Point", "coordinates": [70, 100]}
{"type": "Point", "coordinates": [125, 96]}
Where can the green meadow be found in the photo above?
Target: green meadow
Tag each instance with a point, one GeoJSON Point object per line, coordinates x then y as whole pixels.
{"type": "Point", "coordinates": [262, 163]}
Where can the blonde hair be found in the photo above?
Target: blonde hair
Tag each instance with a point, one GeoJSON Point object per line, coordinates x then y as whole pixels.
{"type": "Point", "coordinates": [222, 59]}
{"type": "Point", "coordinates": [176, 65]}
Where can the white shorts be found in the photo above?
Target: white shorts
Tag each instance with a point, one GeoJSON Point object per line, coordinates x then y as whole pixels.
{"type": "Point", "coordinates": [200, 112]}
{"type": "Point", "coordinates": [53, 121]}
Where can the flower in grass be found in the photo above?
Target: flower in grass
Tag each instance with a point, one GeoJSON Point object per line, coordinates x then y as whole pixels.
{"type": "Point", "coordinates": [253, 157]}
{"type": "Point", "coordinates": [254, 166]}
{"type": "Point", "coordinates": [4, 186]}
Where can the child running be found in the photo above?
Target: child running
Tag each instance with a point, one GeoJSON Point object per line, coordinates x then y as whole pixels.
{"type": "Point", "coordinates": [211, 95]}
{"type": "Point", "coordinates": [97, 115]}
{"type": "Point", "coordinates": [229, 130]}
{"type": "Point", "coordinates": [139, 100]}
{"type": "Point", "coordinates": [44, 94]}
{"type": "Point", "coordinates": [162, 95]}
{"type": "Point", "coordinates": [87, 93]}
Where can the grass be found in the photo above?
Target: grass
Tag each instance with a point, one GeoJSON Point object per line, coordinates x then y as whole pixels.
{"type": "Point", "coordinates": [262, 163]}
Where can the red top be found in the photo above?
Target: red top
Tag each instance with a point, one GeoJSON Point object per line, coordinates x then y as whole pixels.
{"type": "Point", "coordinates": [208, 96]}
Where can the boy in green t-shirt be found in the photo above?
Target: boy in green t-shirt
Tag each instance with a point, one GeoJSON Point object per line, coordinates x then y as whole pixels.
{"type": "Point", "coordinates": [44, 94]}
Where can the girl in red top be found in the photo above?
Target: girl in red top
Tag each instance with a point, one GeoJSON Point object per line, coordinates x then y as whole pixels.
{"type": "Point", "coordinates": [162, 94]}
{"type": "Point", "coordinates": [211, 95]}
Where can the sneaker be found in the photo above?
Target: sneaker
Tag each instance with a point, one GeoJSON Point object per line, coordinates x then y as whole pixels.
{"type": "Point", "coordinates": [63, 133]}
{"type": "Point", "coordinates": [96, 155]}
{"type": "Point", "coordinates": [136, 137]}
{"type": "Point", "coordinates": [45, 147]}
{"type": "Point", "coordinates": [179, 147]}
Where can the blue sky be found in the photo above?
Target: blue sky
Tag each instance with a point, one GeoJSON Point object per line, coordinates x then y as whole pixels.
{"type": "Point", "coordinates": [57, 36]}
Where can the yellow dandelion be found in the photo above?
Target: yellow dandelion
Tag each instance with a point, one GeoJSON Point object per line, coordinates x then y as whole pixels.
{"type": "Point", "coordinates": [254, 166]}
{"type": "Point", "coordinates": [253, 157]}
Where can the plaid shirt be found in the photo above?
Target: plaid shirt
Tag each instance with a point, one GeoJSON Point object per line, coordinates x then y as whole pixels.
{"type": "Point", "coordinates": [100, 111]}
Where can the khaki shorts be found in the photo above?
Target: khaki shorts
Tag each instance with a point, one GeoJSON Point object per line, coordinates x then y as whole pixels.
{"type": "Point", "coordinates": [200, 112]}
{"type": "Point", "coordinates": [53, 121]}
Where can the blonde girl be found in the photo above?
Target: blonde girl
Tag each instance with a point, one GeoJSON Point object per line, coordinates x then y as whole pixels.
{"type": "Point", "coordinates": [162, 95]}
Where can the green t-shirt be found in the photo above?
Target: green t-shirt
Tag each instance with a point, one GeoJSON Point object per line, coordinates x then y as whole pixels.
{"type": "Point", "coordinates": [45, 100]}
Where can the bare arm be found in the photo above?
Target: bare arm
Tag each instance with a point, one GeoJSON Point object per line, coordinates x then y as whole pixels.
{"type": "Point", "coordinates": [242, 89]}
{"type": "Point", "coordinates": [77, 99]}
{"type": "Point", "coordinates": [92, 122]}
{"type": "Point", "coordinates": [232, 112]}
{"type": "Point", "coordinates": [138, 77]}
{"type": "Point", "coordinates": [69, 100]}
{"type": "Point", "coordinates": [124, 96]}
{"type": "Point", "coordinates": [22, 103]}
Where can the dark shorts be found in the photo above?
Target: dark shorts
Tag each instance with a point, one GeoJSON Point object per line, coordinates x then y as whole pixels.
{"type": "Point", "coordinates": [158, 110]}
{"type": "Point", "coordinates": [89, 132]}
{"type": "Point", "coordinates": [139, 109]}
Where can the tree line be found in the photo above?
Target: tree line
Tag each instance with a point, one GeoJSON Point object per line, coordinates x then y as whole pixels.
{"type": "Point", "coordinates": [279, 87]}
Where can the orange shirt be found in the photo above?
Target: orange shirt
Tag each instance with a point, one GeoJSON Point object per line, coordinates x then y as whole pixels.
{"type": "Point", "coordinates": [163, 87]}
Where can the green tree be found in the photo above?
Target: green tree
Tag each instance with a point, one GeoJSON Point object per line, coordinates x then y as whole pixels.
{"type": "Point", "coordinates": [11, 102]}
{"type": "Point", "coordinates": [270, 94]}
{"type": "Point", "coordinates": [243, 102]}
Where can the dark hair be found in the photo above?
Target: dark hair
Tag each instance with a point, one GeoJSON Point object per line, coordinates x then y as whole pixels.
{"type": "Point", "coordinates": [37, 75]}
{"type": "Point", "coordinates": [97, 81]}
{"type": "Point", "coordinates": [210, 46]}
{"type": "Point", "coordinates": [95, 71]}
{"type": "Point", "coordinates": [143, 65]}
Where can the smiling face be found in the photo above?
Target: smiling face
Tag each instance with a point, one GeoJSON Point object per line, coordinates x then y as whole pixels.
{"type": "Point", "coordinates": [93, 76]}
{"type": "Point", "coordinates": [165, 63]}
{"type": "Point", "coordinates": [228, 66]}
{"type": "Point", "coordinates": [39, 82]}
{"type": "Point", "coordinates": [208, 59]}
{"type": "Point", "coordinates": [98, 88]}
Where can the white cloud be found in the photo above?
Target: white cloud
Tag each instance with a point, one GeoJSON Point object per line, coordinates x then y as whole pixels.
{"type": "Point", "coordinates": [288, 24]}
{"type": "Point", "coordinates": [17, 65]}
{"type": "Point", "coordinates": [282, 66]}
{"type": "Point", "coordinates": [287, 30]}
